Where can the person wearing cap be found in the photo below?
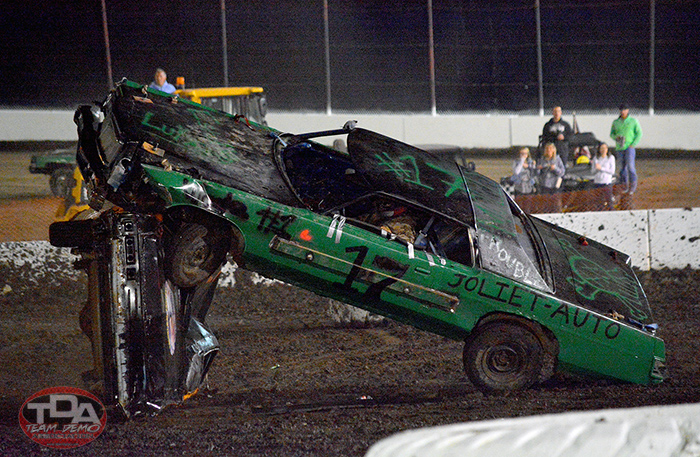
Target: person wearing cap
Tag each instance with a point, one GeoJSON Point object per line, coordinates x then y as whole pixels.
{"type": "Point", "coordinates": [626, 132]}
{"type": "Point", "coordinates": [160, 82]}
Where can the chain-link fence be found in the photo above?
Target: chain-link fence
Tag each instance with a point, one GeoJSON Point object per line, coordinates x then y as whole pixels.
{"type": "Point", "coordinates": [593, 199]}
{"type": "Point", "coordinates": [374, 55]}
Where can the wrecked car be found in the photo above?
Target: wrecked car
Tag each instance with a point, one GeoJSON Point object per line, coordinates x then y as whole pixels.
{"type": "Point", "coordinates": [179, 189]}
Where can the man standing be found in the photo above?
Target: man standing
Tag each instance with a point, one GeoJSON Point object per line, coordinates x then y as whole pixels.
{"type": "Point", "coordinates": [558, 131]}
{"type": "Point", "coordinates": [160, 82]}
{"type": "Point", "coordinates": [626, 132]}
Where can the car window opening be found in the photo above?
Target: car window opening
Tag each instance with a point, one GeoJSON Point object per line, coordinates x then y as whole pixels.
{"type": "Point", "coordinates": [409, 224]}
{"type": "Point", "coordinates": [321, 177]}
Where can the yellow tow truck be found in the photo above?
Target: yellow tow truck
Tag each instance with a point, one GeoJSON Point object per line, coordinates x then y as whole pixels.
{"type": "Point", "coordinates": [249, 102]}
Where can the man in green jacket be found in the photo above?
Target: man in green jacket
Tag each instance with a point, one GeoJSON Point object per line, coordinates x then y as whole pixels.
{"type": "Point", "coordinates": [626, 132]}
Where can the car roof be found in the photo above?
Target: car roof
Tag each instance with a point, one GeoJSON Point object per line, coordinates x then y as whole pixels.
{"type": "Point", "coordinates": [430, 178]}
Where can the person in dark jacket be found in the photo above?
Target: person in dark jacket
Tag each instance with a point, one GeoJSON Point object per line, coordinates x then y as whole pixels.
{"type": "Point", "coordinates": [558, 131]}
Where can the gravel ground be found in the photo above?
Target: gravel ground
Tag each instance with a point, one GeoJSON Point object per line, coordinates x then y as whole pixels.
{"type": "Point", "coordinates": [291, 382]}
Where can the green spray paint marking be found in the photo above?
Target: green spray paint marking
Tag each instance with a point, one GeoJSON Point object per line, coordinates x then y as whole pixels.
{"type": "Point", "coordinates": [409, 173]}
{"type": "Point", "coordinates": [457, 184]}
{"type": "Point", "coordinates": [406, 169]}
{"type": "Point", "coordinates": [593, 280]}
{"type": "Point", "coordinates": [195, 145]}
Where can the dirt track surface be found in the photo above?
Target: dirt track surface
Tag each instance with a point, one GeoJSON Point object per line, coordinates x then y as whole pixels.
{"type": "Point", "coordinates": [291, 382]}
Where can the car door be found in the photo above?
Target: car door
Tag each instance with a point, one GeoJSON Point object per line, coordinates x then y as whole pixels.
{"type": "Point", "coordinates": [365, 254]}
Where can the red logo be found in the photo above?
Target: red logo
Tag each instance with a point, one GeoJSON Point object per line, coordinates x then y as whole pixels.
{"type": "Point", "coordinates": [62, 417]}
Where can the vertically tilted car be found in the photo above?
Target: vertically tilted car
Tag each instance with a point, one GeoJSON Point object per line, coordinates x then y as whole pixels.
{"type": "Point", "coordinates": [181, 188]}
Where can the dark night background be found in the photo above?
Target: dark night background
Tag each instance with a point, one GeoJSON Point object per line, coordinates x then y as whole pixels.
{"type": "Point", "coordinates": [595, 53]}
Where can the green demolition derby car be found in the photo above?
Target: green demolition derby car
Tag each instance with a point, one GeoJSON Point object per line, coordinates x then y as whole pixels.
{"type": "Point", "coordinates": [408, 234]}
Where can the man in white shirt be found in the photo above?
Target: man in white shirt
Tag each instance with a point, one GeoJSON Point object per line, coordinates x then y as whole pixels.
{"type": "Point", "coordinates": [160, 82]}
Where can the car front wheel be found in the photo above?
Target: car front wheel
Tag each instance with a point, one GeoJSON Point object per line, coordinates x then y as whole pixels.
{"type": "Point", "coordinates": [195, 253]}
{"type": "Point", "coordinates": [503, 356]}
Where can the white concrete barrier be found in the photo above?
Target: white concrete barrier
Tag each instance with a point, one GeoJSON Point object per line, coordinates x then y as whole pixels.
{"type": "Point", "coordinates": [676, 238]}
{"type": "Point", "coordinates": [668, 431]}
{"type": "Point", "coordinates": [496, 131]}
{"type": "Point", "coordinates": [654, 239]}
{"type": "Point", "coordinates": [492, 131]}
{"type": "Point", "coordinates": [37, 125]}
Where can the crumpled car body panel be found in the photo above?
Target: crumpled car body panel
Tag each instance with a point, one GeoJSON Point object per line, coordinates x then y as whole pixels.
{"type": "Point", "coordinates": [384, 226]}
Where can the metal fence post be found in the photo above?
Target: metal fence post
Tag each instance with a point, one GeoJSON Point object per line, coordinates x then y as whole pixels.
{"type": "Point", "coordinates": [540, 84]}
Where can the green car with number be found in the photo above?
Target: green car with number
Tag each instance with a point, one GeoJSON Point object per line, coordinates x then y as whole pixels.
{"type": "Point", "coordinates": [180, 189]}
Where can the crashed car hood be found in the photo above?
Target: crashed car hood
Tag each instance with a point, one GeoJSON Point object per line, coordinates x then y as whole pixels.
{"type": "Point", "coordinates": [202, 142]}
{"type": "Point", "coordinates": [596, 276]}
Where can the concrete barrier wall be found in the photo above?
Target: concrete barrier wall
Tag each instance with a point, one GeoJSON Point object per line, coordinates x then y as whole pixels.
{"type": "Point", "coordinates": [654, 239]}
{"type": "Point", "coordinates": [37, 125]}
{"type": "Point", "coordinates": [658, 431]}
{"type": "Point", "coordinates": [465, 130]}
{"type": "Point", "coordinates": [497, 131]}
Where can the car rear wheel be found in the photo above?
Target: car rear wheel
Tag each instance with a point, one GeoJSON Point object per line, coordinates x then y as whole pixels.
{"type": "Point", "coordinates": [503, 356]}
{"type": "Point", "coordinates": [195, 253]}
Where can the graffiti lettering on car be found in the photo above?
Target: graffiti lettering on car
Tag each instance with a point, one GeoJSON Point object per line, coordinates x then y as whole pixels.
{"type": "Point", "coordinates": [519, 297]}
{"type": "Point", "coordinates": [591, 281]}
{"type": "Point", "coordinates": [410, 173]}
{"type": "Point", "coordinates": [517, 269]}
{"type": "Point", "coordinates": [196, 145]}
{"type": "Point", "coordinates": [204, 118]}
{"type": "Point", "coordinates": [356, 264]}
{"type": "Point", "coordinates": [395, 271]}
{"type": "Point", "coordinates": [173, 134]}
{"type": "Point", "coordinates": [232, 206]}
{"type": "Point", "coordinates": [407, 169]}
{"type": "Point", "coordinates": [275, 222]}
{"type": "Point", "coordinates": [457, 183]}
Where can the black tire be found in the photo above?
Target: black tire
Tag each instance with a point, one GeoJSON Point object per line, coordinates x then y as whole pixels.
{"type": "Point", "coordinates": [195, 253]}
{"type": "Point", "coordinates": [503, 356]}
{"type": "Point", "coordinates": [61, 182]}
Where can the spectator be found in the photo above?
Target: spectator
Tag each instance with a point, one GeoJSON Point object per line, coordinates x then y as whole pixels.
{"type": "Point", "coordinates": [558, 131]}
{"type": "Point", "coordinates": [550, 170]}
{"type": "Point", "coordinates": [582, 155]}
{"type": "Point", "coordinates": [626, 132]}
{"type": "Point", "coordinates": [160, 82]}
{"type": "Point", "coordinates": [604, 167]}
{"type": "Point", "coordinates": [524, 171]}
